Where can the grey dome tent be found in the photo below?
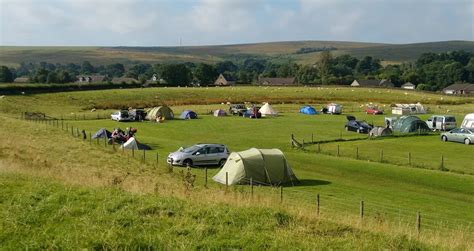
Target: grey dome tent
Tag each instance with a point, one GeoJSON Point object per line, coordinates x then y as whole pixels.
{"type": "Point", "coordinates": [379, 131]}
{"type": "Point", "coordinates": [163, 111]}
{"type": "Point", "coordinates": [220, 113]}
{"type": "Point", "coordinates": [264, 166]}
{"type": "Point", "coordinates": [410, 124]}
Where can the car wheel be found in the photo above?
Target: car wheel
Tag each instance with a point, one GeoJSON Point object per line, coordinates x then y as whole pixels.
{"type": "Point", "coordinates": [188, 162]}
{"type": "Point", "coordinates": [358, 130]}
{"type": "Point", "coordinates": [467, 141]}
{"type": "Point", "coordinates": [444, 138]}
{"type": "Point", "coordinates": [222, 162]}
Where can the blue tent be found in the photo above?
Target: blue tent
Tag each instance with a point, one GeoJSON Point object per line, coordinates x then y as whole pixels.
{"type": "Point", "coordinates": [188, 114]}
{"type": "Point", "coordinates": [308, 110]}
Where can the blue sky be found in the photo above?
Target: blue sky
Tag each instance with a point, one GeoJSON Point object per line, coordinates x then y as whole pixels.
{"type": "Point", "coordinates": [202, 22]}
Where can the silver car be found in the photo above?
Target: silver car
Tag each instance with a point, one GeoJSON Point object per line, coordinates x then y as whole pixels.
{"type": "Point", "coordinates": [461, 135]}
{"type": "Point", "coordinates": [199, 155]}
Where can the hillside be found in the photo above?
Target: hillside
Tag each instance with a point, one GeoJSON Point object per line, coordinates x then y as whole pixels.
{"type": "Point", "coordinates": [276, 51]}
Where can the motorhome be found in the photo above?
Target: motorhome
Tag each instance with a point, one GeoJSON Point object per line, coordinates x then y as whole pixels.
{"type": "Point", "coordinates": [441, 122]}
{"type": "Point", "coordinates": [468, 122]}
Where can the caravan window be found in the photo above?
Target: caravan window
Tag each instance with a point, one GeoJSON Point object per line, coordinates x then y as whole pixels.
{"type": "Point", "coordinates": [449, 119]}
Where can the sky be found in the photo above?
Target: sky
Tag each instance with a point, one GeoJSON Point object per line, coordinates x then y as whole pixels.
{"type": "Point", "coordinates": [211, 22]}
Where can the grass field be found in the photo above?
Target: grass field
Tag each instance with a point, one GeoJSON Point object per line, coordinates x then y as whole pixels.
{"type": "Point", "coordinates": [275, 51]}
{"type": "Point", "coordinates": [392, 191]}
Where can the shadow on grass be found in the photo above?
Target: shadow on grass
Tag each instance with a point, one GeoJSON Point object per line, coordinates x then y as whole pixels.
{"type": "Point", "coordinates": [308, 182]}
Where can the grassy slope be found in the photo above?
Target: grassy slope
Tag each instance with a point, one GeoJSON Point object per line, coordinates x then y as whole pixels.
{"type": "Point", "coordinates": [94, 206]}
{"type": "Point", "coordinates": [279, 51]}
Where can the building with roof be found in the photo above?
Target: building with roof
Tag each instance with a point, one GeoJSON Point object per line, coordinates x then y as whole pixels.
{"type": "Point", "coordinates": [408, 86]}
{"type": "Point", "coordinates": [224, 81]}
{"type": "Point", "coordinates": [277, 81]}
{"type": "Point", "coordinates": [459, 89]}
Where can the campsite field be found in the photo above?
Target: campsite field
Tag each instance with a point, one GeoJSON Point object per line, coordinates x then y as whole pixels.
{"type": "Point", "coordinates": [393, 191]}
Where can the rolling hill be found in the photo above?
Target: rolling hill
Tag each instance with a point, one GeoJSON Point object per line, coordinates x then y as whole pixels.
{"type": "Point", "coordinates": [275, 51]}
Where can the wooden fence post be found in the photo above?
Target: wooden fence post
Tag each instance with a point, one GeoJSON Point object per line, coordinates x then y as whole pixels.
{"type": "Point", "coordinates": [251, 187]}
{"type": "Point", "coordinates": [281, 194]}
{"type": "Point", "coordinates": [157, 162]}
{"type": "Point", "coordinates": [357, 152]}
{"type": "Point", "coordinates": [442, 162]}
{"type": "Point", "coordinates": [72, 131]}
{"type": "Point", "coordinates": [226, 181]}
{"type": "Point", "coordinates": [381, 155]}
{"type": "Point", "coordinates": [409, 158]}
{"type": "Point", "coordinates": [418, 222]}
{"type": "Point", "coordinates": [318, 203]}
{"type": "Point", "coordinates": [90, 138]}
{"type": "Point", "coordinates": [361, 211]}
{"type": "Point", "coordinates": [337, 150]}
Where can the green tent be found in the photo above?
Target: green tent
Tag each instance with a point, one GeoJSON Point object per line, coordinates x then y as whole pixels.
{"type": "Point", "coordinates": [410, 124]}
{"type": "Point", "coordinates": [264, 166]}
{"type": "Point", "coordinates": [163, 111]}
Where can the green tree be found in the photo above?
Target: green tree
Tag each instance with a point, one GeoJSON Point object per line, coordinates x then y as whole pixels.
{"type": "Point", "coordinates": [63, 76]}
{"type": "Point", "coordinates": [87, 68]}
{"type": "Point", "coordinates": [52, 77]}
{"type": "Point", "coordinates": [176, 74]}
{"type": "Point", "coordinates": [368, 65]}
{"type": "Point", "coordinates": [205, 74]}
{"type": "Point", "coordinates": [6, 75]}
{"type": "Point", "coordinates": [115, 70]}
{"type": "Point", "coordinates": [324, 66]}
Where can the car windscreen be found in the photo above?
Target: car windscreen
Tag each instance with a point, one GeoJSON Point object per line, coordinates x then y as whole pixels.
{"type": "Point", "coordinates": [363, 124]}
{"type": "Point", "coordinates": [191, 149]}
{"type": "Point", "coordinates": [449, 119]}
{"type": "Point", "coordinates": [124, 114]}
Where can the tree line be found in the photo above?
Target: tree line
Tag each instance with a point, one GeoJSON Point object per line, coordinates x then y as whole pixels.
{"type": "Point", "coordinates": [430, 71]}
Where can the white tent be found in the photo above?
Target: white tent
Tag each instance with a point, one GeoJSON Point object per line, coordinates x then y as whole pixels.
{"type": "Point", "coordinates": [267, 110]}
{"type": "Point", "coordinates": [131, 144]}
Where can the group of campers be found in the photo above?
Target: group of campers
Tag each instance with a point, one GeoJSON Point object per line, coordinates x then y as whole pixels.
{"type": "Point", "coordinates": [120, 136]}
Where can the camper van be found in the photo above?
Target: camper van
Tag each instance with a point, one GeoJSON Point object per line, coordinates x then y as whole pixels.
{"type": "Point", "coordinates": [441, 122]}
{"type": "Point", "coordinates": [334, 108]}
{"type": "Point", "coordinates": [468, 122]}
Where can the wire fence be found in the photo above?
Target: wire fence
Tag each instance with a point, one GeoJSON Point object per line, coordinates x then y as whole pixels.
{"type": "Point", "coordinates": [324, 204]}
{"type": "Point", "coordinates": [409, 159]}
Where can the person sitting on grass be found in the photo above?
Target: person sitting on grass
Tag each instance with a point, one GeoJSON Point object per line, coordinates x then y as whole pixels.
{"type": "Point", "coordinates": [118, 136]}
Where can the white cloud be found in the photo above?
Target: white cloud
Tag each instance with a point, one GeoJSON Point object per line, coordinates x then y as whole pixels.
{"type": "Point", "coordinates": [164, 22]}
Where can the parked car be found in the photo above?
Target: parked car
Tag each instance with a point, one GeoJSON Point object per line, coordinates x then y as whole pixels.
{"type": "Point", "coordinates": [237, 109]}
{"type": "Point", "coordinates": [357, 126]}
{"type": "Point", "coordinates": [200, 154]}
{"type": "Point", "coordinates": [121, 115]}
{"type": "Point", "coordinates": [461, 135]}
{"type": "Point", "coordinates": [441, 122]}
{"type": "Point", "coordinates": [137, 114]}
{"type": "Point", "coordinates": [373, 111]}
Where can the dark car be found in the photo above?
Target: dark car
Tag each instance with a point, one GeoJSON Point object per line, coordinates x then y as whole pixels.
{"type": "Point", "coordinates": [237, 109]}
{"type": "Point", "coordinates": [357, 126]}
{"type": "Point", "coordinates": [137, 114]}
